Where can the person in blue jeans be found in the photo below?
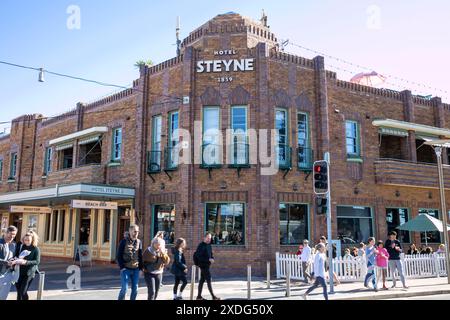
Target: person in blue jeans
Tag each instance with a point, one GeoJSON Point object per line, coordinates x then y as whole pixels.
{"type": "Point", "coordinates": [371, 253]}
{"type": "Point", "coordinates": [129, 258]}
{"type": "Point", "coordinates": [319, 272]}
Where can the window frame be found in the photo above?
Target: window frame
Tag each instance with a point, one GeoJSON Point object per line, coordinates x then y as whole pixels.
{"type": "Point", "coordinates": [156, 132]}
{"type": "Point", "coordinates": [173, 144]}
{"type": "Point", "coordinates": [217, 138]}
{"type": "Point", "coordinates": [244, 227]}
{"type": "Point", "coordinates": [116, 150]}
{"type": "Point", "coordinates": [106, 231]}
{"type": "Point", "coordinates": [48, 157]}
{"type": "Point", "coordinates": [307, 146]}
{"type": "Point", "coordinates": [438, 217]}
{"type": "Point", "coordinates": [153, 224]}
{"type": "Point", "coordinates": [235, 134]}
{"type": "Point", "coordinates": [285, 110]}
{"type": "Point", "coordinates": [409, 218]}
{"type": "Point", "coordinates": [13, 166]}
{"type": "Point", "coordinates": [357, 138]}
{"type": "Point", "coordinates": [372, 217]}
{"type": "Point", "coordinates": [308, 218]}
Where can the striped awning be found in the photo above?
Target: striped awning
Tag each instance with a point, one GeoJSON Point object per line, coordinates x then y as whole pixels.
{"type": "Point", "coordinates": [63, 146]}
{"type": "Point", "coordinates": [393, 132]}
{"type": "Point", "coordinates": [89, 140]}
{"type": "Point", "coordinates": [426, 137]}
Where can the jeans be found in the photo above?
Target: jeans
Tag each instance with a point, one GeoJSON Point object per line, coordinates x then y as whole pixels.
{"type": "Point", "coordinates": [125, 275]}
{"type": "Point", "coordinates": [205, 276]}
{"type": "Point", "coordinates": [319, 282]}
{"type": "Point", "coordinates": [371, 275]}
{"type": "Point", "coordinates": [397, 264]}
{"type": "Point", "coordinates": [306, 275]}
{"type": "Point", "coordinates": [179, 279]}
{"type": "Point", "coordinates": [22, 287]}
{"type": "Point", "coordinates": [153, 282]}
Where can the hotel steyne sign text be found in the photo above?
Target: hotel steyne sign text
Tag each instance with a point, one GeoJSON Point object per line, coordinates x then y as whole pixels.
{"type": "Point", "coordinates": [231, 65]}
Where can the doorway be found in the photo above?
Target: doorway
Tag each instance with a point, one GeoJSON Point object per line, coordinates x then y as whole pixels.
{"type": "Point", "coordinates": [85, 226]}
{"type": "Point", "coordinates": [123, 223]}
{"type": "Point", "coordinates": [17, 219]}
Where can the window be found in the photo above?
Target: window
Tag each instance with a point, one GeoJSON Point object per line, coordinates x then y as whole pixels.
{"type": "Point", "coordinates": [211, 136]}
{"type": "Point", "coordinates": [282, 138]}
{"type": "Point", "coordinates": [1, 169]}
{"type": "Point", "coordinates": [62, 228]}
{"type": "Point", "coordinates": [432, 236]}
{"type": "Point", "coordinates": [90, 153]}
{"type": "Point", "coordinates": [48, 161]}
{"type": "Point", "coordinates": [55, 226]}
{"type": "Point", "coordinates": [107, 226]}
{"type": "Point", "coordinates": [48, 220]}
{"type": "Point", "coordinates": [352, 139]}
{"type": "Point", "coordinates": [13, 166]}
{"type": "Point", "coordinates": [293, 223]}
{"type": "Point", "coordinates": [303, 142]}
{"type": "Point", "coordinates": [226, 222]}
{"type": "Point", "coordinates": [164, 220]}
{"type": "Point", "coordinates": [66, 159]}
{"type": "Point", "coordinates": [239, 143]}
{"type": "Point", "coordinates": [355, 224]}
{"type": "Point", "coordinates": [32, 223]}
{"type": "Point", "coordinates": [155, 153]}
{"type": "Point", "coordinates": [394, 218]}
{"type": "Point", "coordinates": [117, 145]}
{"type": "Point", "coordinates": [174, 140]}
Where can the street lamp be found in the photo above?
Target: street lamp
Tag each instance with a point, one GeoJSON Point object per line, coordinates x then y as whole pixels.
{"type": "Point", "coordinates": [438, 145]}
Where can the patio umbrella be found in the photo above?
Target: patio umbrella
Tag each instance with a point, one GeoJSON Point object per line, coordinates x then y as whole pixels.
{"type": "Point", "coordinates": [423, 223]}
{"type": "Point", "coordinates": [371, 79]}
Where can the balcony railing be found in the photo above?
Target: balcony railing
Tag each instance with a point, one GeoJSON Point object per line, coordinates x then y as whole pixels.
{"type": "Point", "coordinates": [305, 158]}
{"type": "Point", "coordinates": [408, 173]}
{"type": "Point", "coordinates": [153, 161]}
{"type": "Point", "coordinates": [239, 155]}
{"type": "Point", "coordinates": [211, 156]}
{"type": "Point", "coordinates": [171, 158]}
{"type": "Point", "coordinates": [284, 157]}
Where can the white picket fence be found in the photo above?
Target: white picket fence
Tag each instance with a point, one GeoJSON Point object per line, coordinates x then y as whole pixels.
{"type": "Point", "coordinates": [354, 269]}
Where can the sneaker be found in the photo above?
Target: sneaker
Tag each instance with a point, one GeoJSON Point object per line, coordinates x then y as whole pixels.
{"type": "Point", "coordinates": [216, 298]}
{"type": "Point", "coordinates": [200, 298]}
{"type": "Point", "coordinates": [394, 286]}
{"type": "Point", "coordinates": [405, 287]}
{"type": "Point", "coordinates": [180, 298]}
{"type": "Point", "coordinates": [385, 288]}
{"type": "Point", "coordinates": [304, 296]}
{"type": "Point", "coordinates": [375, 289]}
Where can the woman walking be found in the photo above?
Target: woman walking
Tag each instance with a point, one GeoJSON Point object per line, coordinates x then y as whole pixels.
{"type": "Point", "coordinates": [28, 249]}
{"type": "Point", "coordinates": [154, 262]}
{"type": "Point", "coordinates": [319, 272]}
{"type": "Point", "coordinates": [179, 268]}
{"type": "Point", "coordinates": [382, 263]}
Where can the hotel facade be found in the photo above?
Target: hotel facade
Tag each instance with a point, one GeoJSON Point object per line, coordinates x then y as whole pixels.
{"type": "Point", "coordinates": [81, 178]}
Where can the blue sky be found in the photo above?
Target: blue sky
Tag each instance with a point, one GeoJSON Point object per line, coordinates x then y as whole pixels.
{"type": "Point", "coordinates": [407, 39]}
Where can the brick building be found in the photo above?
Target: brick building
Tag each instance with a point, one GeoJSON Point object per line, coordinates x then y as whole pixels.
{"type": "Point", "coordinates": [128, 149]}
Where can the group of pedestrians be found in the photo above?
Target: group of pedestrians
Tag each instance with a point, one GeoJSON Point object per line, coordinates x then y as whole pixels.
{"type": "Point", "coordinates": [425, 250]}
{"type": "Point", "coordinates": [132, 259]}
{"type": "Point", "coordinates": [19, 262]}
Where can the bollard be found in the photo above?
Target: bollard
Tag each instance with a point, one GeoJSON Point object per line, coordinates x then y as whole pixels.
{"type": "Point", "coordinates": [41, 285]}
{"type": "Point", "coordinates": [249, 282]}
{"type": "Point", "coordinates": [288, 280]}
{"type": "Point", "coordinates": [192, 282]}
{"type": "Point", "coordinates": [268, 274]}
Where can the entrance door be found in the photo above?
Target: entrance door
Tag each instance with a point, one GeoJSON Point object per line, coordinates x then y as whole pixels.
{"type": "Point", "coordinates": [17, 219]}
{"type": "Point", "coordinates": [85, 226]}
{"type": "Point", "coordinates": [123, 223]}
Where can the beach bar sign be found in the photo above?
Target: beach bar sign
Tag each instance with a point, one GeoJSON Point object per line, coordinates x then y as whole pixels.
{"type": "Point", "coordinates": [89, 204]}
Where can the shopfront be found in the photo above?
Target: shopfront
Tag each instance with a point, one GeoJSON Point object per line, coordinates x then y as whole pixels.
{"type": "Point", "coordinates": [66, 217]}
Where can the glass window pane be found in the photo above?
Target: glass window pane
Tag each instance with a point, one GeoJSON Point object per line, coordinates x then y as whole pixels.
{"type": "Point", "coordinates": [164, 220]}
{"type": "Point", "coordinates": [431, 236]}
{"type": "Point", "coordinates": [211, 118]}
{"type": "Point", "coordinates": [394, 218]}
{"type": "Point", "coordinates": [293, 223]}
{"type": "Point", "coordinates": [362, 212]}
{"type": "Point", "coordinates": [226, 223]}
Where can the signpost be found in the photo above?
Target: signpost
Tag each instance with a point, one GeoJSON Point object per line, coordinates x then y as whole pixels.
{"type": "Point", "coordinates": [84, 254]}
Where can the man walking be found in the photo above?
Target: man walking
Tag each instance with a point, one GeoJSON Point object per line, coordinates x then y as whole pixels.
{"type": "Point", "coordinates": [306, 261]}
{"type": "Point", "coordinates": [203, 258]}
{"type": "Point", "coordinates": [319, 272]}
{"type": "Point", "coordinates": [129, 258]}
{"type": "Point", "coordinates": [7, 253]}
{"type": "Point", "coordinates": [371, 253]}
{"type": "Point", "coordinates": [394, 249]}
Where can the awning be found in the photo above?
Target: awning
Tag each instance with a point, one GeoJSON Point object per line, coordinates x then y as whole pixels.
{"type": "Point", "coordinates": [426, 138]}
{"type": "Point", "coordinates": [63, 146]}
{"type": "Point", "coordinates": [95, 131]}
{"type": "Point", "coordinates": [89, 140]}
{"type": "Point", "coordinates": [408, 126]}
{"type": "Point", "coordinates": [393, 132]}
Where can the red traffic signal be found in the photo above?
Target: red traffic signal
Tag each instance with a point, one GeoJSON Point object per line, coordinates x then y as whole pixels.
{"type": "Point", "coordinates": [321, 177]}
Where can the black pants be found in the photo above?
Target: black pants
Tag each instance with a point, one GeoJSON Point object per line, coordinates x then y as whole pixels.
{"type": "Point", "coordinates": [205, 276]}
{"type": "Point", "coordinates": [153, 282]}
{"type": "Point", "coordinates": [22, 286]}
{"type": "Point", "coordinates": [179, 279]}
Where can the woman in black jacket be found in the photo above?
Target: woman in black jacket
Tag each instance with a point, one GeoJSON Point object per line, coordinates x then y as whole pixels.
{"type": "Point", "coordinates": [28, 265]}
{"type": "Point", "coordinates": [179, 268]}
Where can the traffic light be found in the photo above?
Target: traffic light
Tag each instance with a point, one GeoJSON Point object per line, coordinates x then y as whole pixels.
{"type": "Point", "coordinates": [321, 184]}
{"type": "Point", "coordinates": [321, 204]}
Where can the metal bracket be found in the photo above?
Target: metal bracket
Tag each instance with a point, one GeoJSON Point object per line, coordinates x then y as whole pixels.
{"type": "Point", "coordinates": [167, 174]}
{"type": "Point", "coordinates": [209, 173]}
{"type": "Point", "coordinates": [286, 173]}
{"type": "Point", "coordinates": [307, 175]}
{"type": "Point", "coordinates": [151, 177]}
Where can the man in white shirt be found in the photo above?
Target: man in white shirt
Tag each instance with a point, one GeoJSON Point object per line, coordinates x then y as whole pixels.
{"type": "Point", "coordinates": [306, 261]}
{"type": "Point", "coordinates": [319, 272]}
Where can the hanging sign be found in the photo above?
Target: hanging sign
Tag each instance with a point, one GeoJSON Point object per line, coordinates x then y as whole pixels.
{"type": "Point", "coordinates": [89, 204]}
{"type": "Point", "coordinates": [25, 209]}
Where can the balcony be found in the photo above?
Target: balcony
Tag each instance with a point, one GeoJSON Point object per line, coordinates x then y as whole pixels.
{"type": "Point", "coordinates": [305, 158]}
{"type": "Point", "coordinates": [407, 173]}
{"type": "Point", "coordinates": [211, 156]}
{"type": "Point", "coordinates": [153, 161]}
{"type": "Point", "coordinates": [240, 155]}
{"type": "Point", "coordinates": [171, 158]}
{"type": "Point", "coordinates": [94, 173]}
{"type": "Point", "coordinates": [284, 158]}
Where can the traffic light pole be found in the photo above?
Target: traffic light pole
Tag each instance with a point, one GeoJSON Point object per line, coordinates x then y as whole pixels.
{"type": "Point", "coordinates": [329, 236]}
